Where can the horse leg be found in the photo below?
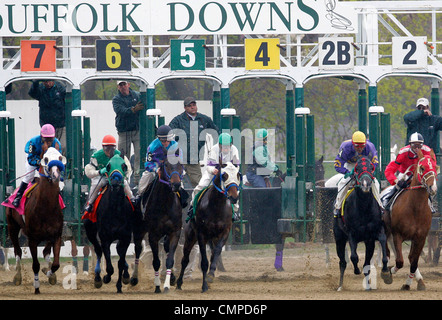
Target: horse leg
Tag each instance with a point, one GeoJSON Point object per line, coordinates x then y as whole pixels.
{"type": "Point", "coordinates": [369, 252]}
{"type": "Point", "coordinates": [138, 246]}
{"type": "Point", "coordinates": [385, 273]}
{"type": "Point", "coordinates": [279, 252]}
{"type": "Point", "coordinates": [216, 253]}
{"type": "Point", "coordinates": [122, 265]}
{"type": "Point", "coordinates": [413, 257]}
{"type": "Point", "coordinates": [14, 230]}
{"type": "Point", "coordinates": [397, 245]}
{"type": "Point", "coordinates": [340, 250]}
{"type": "Point", "coordinates": [204, 262]}
{"type": "Point", "coordinates": [354, 255]}
{"type": "Point", "coordinates": [91, 233]}
{"type": "Point", "coordinates": [105, 245]}
{"type": "Point", "coordinates": [173, 244]}
{"type": "Point", "coordinates": [156, 263]}
{"type": "Point", "coordinates": [35, 264]}
{"type": "Point", "coordinates": [190, 239]}
{"type": "Point", "coordinates": [52, 267]}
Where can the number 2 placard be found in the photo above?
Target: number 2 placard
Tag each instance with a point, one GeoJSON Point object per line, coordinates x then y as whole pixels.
{"type": "Point", "coordinates": [37, 55]}
{"type": "Point", "coordinates": [409, 52]}
{"type": "Point", "coordinates": [262, 54]}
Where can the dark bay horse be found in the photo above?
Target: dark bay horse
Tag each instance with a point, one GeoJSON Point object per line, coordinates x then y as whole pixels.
{"type": "Point", "coordinates": [212, 222]}
{"type": "Point", "coordinates": [362, 221]}
{"type": "Point", "coordinates": [114, 221]}
{"type": "Point", "coordinates": [44, 219]}
{"type": "Point", "coordinates": [410, 217]}
{"type": "Point", "coordinates": [161, 217]}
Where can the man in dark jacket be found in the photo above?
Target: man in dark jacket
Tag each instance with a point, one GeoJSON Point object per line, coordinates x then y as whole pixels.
{"type": "Point", "coordinates": [424, 122]}
{"type": "Point", "coordinates": [127, 106]}
{"type": "Point", "coordinates": [192, 123]}
{"type": "Point", "coordinates": [51, 100]}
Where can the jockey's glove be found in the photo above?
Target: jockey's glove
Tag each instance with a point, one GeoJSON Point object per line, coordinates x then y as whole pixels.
{"type": "Point", "coordinates": [349, 173]}
{"type": "Point", "coordinates": [103, 171]}
{"type": "Point", "coordinates": [402, 184]}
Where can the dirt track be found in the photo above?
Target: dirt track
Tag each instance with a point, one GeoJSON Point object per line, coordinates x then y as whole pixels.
{"type": "Point", "coordinates": [250, 275]}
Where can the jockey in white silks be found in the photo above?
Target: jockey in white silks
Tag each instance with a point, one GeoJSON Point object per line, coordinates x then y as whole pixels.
{"type": "Point", "coordinates": [227, 152]}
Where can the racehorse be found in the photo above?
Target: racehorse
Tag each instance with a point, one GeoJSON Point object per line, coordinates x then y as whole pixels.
{"type": "Point", "coordinates": [44, 219]}
{"type": "Point", "coordinates": [113, 221]}
{"type": "Point", "coordinates": [213, 221]}
{"type": "Point", "coordinates": [161, 216]}
{"type": "Point", "coordinates": [410, 217]}
{"type": "Point", "coordinates": [361, 221]}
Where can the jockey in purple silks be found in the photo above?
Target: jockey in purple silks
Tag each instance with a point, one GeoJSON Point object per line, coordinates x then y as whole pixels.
{"type": "Point", "coordinates": [349, 152]}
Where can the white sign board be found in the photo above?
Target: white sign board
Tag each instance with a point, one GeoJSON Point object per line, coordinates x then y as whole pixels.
{"type": "Point", "coordinates": [336, 53]}
{"type": "Point", "coordinates": [19, 18]}
{"type": "Point", "coordinates": [410, 53]}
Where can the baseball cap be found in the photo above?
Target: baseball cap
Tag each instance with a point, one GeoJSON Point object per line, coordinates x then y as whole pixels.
{"type": "Point", "coordinates": [189, 100]}
{"type": "Point", "coordinates": [121, 81]}
{"type": "Point", "coordinates": [422, 101]}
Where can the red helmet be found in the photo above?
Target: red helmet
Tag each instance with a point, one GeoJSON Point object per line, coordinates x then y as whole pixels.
{"type": "Point", "coordinates": [109, 140]}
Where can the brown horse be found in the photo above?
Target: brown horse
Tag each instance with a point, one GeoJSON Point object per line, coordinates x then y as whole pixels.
{"type": "Point", "coordinates": [44, 219]}
{"type": "Point", "coordinates": [410, 217]}
{"type": "Point", "coordinates": [212, 222]}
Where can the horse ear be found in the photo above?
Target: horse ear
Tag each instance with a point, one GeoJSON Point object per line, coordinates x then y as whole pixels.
{"type": "Point", "coordinates": [46, 161]}
{"type": "Point", "coordinates": [225, 176]}
{"type": "Point", "coordinates": [62, 159]}
{"type": "Point", "coordinates": [124, 167]}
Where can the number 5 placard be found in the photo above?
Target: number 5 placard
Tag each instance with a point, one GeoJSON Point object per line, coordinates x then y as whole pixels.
{"type": "Point", "coordinates": [262, 54]}
{"type": "Point", "coordinates": [187, 54]}
{"type": "Point", "coordinates": [409, 52]}
{"type": "Point", "coordinates": [37, 55]}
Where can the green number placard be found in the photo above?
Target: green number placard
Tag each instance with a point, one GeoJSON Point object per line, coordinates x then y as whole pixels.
{"type": "Point", "coordinates": [187, 55]}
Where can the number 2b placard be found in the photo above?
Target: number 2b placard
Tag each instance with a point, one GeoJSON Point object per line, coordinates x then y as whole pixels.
{"type": "Point", "coordinates": [38, 55]}
{"type": "Point", "coordinates": [262, 54]}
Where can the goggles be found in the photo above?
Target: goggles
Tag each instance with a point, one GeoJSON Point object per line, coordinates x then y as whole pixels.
{"type": "Point", "coordinates": [359, 145]}
{"type": "Point", "coordinates": [416, 145]}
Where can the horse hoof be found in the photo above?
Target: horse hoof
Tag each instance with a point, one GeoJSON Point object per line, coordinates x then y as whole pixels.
{"type": "Point", "coordinates": [157, 289]}
{"type": "Point", "coordinates": [133, 281]}
{"type": "Point", "coordinates": [98, 282]}
{"type": "Point", "coordinates": [339, 289]}
{"type": "Point", "coordinates": [126, 280]}
{"type": "Point", "coordinates": [357, 271]}
{"type": "Point", "coordinates": [210, 278]}
{"type": "Point", "coordinates": [17, 279]}
{"type": "Point", "coordinates": [37, 291]}
{"type": "Point", "coordinates": [107, 279]}
{"type": "Point", "coordinates": [172, 279]}
{"type": "Point", "coordinates": [421, 285]}
{"type": "Point", "coordinates": [166, 290]}
{"type": "Point", "coordinates": [280, 269]}
{"type": "Point", "coordinates": [387, 277]}
{"type": "Point", "coordinates": [53, 279]}
{"type": "Point", "coordinates": [405, 287]}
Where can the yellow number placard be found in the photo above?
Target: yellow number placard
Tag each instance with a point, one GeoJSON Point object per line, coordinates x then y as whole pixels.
{"type": "Point", "coordinates": [262, 54]}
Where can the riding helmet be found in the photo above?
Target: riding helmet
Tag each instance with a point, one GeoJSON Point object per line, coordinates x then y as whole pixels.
{"type": "Point", "coordinates": [359, 138]}
{"type": "Point", "coordinates": [261, 134]}
{"type": "Point", "coordinates": [165, 132]}
{"type": "Point", "coordinates": [47, 131]}
{"type": "Point", "coordinates": [225, 139]}
{"type": "Point", "coordinates": [109, 140]}
{"type": "Point", "coordinates": [416, 137]}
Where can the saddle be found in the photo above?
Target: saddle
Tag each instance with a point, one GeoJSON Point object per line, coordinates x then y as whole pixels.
{"type": "Point", "coordinates": [21, 208]}
{"type": "Point", "coordinates": [197, 199]}
{"type": "Point", "coordinates": [92, 216]}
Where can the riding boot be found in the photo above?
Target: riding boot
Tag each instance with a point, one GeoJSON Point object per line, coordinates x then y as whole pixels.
{"type": "Point", "coordinates": [88, 208]}
{"type": "Point", "coordinates": [336, 213]}
{"type": "Point", "coordinates": [19, 194]}
{"type": "Point", "coordinates": [235, 216]}
{"type": "Point", "coordinates": [430, 202]}
{"type": "Point", "coordinates": [184, 196]}
{"type": "Point", "coordinates": [190, 212]}
{"type": "Point", "coordinates": [386, 198]}
{"type": "Point", "coordinates": [135, 201]}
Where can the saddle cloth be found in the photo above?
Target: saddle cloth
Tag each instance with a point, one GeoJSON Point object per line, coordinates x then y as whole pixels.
{"type": "Point", "coordinates": [21, 208]}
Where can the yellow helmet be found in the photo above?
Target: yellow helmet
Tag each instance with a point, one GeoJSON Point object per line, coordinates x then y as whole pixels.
{"type": "Point", "coordinates": [359, 138]}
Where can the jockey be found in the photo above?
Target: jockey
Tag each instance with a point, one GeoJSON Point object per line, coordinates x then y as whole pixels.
{"type": "Point", "coordinates": [345, 161]}
{"type": "Point", "coordinates": [259, 171]}
{"type": "Point", "coordinates": [96, 170]}
{"type": "Point", "coordinates": [229, 153]}
{"type": "Point", "coordinates": [36, 148]}
{"type": "Point", "coordinates": [157, 152]}
{"type": "Point", "coordinates": [405, 160]}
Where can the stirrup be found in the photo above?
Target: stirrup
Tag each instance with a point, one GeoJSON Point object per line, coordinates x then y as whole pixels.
{"type": "Point", "coordinates": [88, 208]}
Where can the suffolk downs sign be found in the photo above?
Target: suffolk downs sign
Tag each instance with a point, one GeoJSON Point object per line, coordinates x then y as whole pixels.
{"type": "Point", "coordinates": [186, 17]}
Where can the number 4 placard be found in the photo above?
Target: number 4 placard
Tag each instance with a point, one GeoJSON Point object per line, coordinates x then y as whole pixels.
{"type": "Point", "coordinates": [37, 55]}
{"type": "Point", "coordinates": [409, 53]}
{"type": "Point", "coordinates": [262, 54]}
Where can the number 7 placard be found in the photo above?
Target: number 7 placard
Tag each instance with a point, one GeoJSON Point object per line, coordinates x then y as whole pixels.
{"type": "Point", "coordinates": [38, 55]}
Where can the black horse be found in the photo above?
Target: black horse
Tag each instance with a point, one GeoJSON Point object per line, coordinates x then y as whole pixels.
{"type": "Point", "coordinates": [212, 222]}
{"type": "Point", "coordinates": [161, 211]}
{"type": "Point", "coordinates": [361, 221]}
{"type": "Point", "coordinates": [114, 220]}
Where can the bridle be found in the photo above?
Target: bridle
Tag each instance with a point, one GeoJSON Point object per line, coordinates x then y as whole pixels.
{"type": "Point", "coordinates": [169, 175]}
{"type": "Point", "coordinates": [224, 188]}
{"type": "Point", "coordinates": [423, 178]}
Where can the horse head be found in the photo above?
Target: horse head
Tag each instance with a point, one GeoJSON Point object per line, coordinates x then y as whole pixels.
{"type": "Point", "coordinates": [364, 170]}
{"type": "Point", "coordinates": [171, 171]}
{"type": "Point", "coordinates": [231, 179]}
{"type": "Point", "coordinates": [426, 172]}
{"type": "Point", "coordinates": [52, 165]}
{"type": "Point", "coordinates": [116, 170]}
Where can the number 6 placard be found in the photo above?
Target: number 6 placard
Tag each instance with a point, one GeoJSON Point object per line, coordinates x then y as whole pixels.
{"type": "Point", "coordinates": [409, 53]}
{"type": "Point", "coordinates": [37, 55]}
{"type": "Point", "coordinates": [113, 55]}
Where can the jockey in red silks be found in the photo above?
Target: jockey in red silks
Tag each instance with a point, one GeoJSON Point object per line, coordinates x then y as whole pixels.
{"type": "Point", "coordinates": [404, 166]}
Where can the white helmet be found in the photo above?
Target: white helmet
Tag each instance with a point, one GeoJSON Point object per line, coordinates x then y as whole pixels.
{"type": "Point", "coordinates": [416, 137]}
